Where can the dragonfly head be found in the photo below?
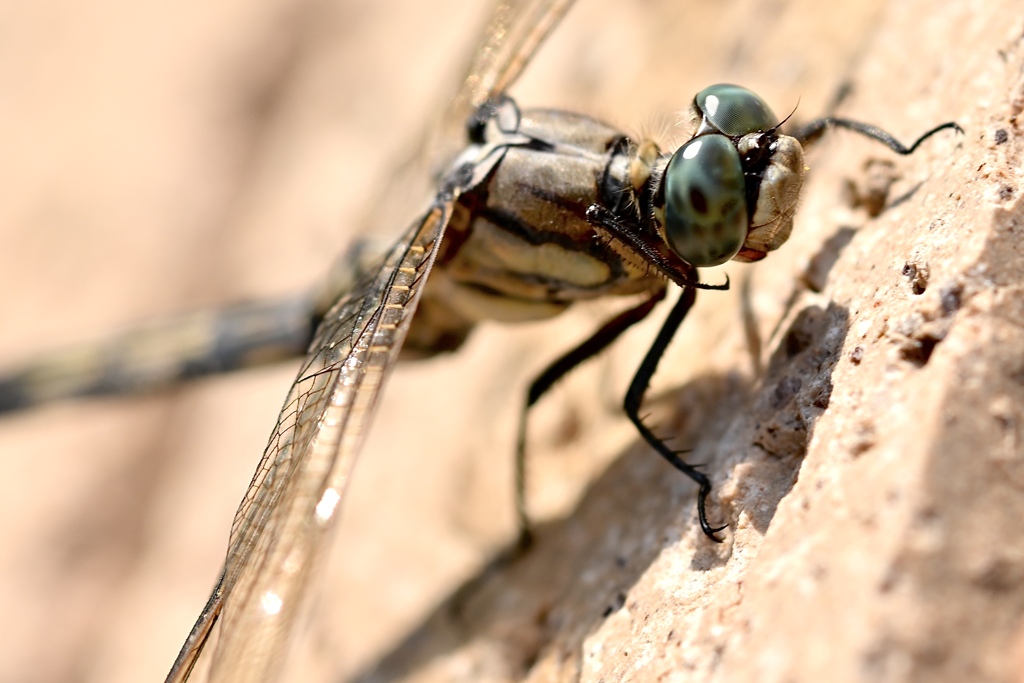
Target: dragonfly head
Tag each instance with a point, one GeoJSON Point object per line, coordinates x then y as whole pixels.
{"type": "Point", "coordinates": [731, 191]}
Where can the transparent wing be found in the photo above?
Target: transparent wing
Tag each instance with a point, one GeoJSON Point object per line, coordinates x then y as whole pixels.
{"type": "Point", "coordinates": [289, 507]}
{"type": "Point", "coordinates": [305, 468]}
{"type": "Point", "coordinates": [513, 33]}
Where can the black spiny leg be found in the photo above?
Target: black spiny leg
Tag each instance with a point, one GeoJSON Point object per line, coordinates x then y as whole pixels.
{"type": "Point", "coordinates": [597, 342]}
{"type": "Point", "coordinates": [815, 129]}
{"type": "Point", "coordinates": [635, 397]}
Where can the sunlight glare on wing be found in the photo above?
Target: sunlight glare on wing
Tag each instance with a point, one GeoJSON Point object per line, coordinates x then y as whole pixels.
{"type": "Point", "coordinates": [328, 502]}
{"type": "Point", "coordinates": [271, 603]}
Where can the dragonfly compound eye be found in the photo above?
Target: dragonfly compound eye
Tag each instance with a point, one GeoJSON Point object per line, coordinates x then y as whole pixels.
{"type": "Point", "coordinates": [705, 210]}
{"type": "Point", "coordinates": [732, 110]}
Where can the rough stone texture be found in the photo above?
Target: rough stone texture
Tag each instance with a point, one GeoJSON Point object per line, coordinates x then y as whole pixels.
{"type": "Point", "coordinates": [856, 397]}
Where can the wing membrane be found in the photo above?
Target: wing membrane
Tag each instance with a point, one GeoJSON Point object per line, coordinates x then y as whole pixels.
{"type": "Point", "coordinates": [513, 33]}
{"type": "Point", "coordinates": [290, 503]}
{"type": "Point", "coordinates": [289, 506]}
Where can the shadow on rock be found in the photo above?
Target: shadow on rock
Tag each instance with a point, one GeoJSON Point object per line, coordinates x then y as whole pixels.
{"type": "Point", "coordinates": [544, 604]}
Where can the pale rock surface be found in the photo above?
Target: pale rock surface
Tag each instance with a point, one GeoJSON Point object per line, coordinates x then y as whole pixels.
{"type": "Point", "coordinates": [856, 397]}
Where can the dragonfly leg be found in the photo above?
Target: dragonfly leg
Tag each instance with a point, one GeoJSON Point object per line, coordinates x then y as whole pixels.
{"type": "Point", "coordinates": [635, 397]}
{"type": "Point", "coordinates": [809, 133]}
{"type": "Point", "coordinates": [596, 343]}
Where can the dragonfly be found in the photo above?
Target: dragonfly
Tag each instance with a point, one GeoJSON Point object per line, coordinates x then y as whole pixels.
{"type": "Point", "coordinates": [618, 236]}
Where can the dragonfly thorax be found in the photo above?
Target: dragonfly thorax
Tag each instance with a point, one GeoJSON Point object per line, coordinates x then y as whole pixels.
{"type": "Point", "coordinates": [523, 242]}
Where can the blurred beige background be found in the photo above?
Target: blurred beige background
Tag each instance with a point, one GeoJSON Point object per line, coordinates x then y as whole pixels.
{"type": "Point", "coordinates": [160, 156]}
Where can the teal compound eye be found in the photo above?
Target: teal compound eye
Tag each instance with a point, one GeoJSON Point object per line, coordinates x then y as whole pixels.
{"type": "Point", "coordinates": [732, 110]}
{"type": "Point", "coordinates": [705, 215]}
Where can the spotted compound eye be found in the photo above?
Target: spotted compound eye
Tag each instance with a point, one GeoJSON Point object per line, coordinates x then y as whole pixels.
{"type": "Point", "coordinates": [732, 110]}
{"type": "Point", "coordinates": [705, 214]}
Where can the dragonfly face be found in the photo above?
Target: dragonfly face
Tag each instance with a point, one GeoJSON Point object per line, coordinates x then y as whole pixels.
{"type": "Point", "coordinates": [734, 187]}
